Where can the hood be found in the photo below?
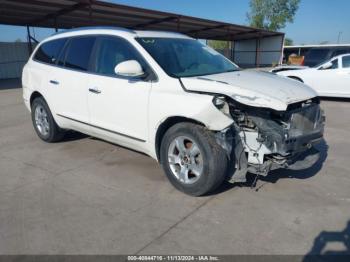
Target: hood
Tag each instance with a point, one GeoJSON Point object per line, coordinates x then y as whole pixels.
{"type": "Point", "coordinates": [254, 88]}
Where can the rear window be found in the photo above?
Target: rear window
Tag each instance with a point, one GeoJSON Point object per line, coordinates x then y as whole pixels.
{"type": "Point", "coordinates": [48, 52]}
{"type": "Point", "coordinates": [79, 52]}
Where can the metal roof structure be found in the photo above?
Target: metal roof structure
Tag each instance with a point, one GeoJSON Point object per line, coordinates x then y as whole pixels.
{"type": "Point", "coordinates": [77, 13]}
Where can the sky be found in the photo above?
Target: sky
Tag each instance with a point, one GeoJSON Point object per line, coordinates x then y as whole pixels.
{"type": "Point", "coordinates": [316, 21]}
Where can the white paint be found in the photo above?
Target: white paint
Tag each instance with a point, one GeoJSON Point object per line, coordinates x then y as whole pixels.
{"type": "Point", "coordinates": [129, 68]}
{"type": "Point", "coordinates": [137, 108]}
{"type": "Point", "coordinates": [253, 88]}
{"type": "Point", "coordinates": [326, 82]}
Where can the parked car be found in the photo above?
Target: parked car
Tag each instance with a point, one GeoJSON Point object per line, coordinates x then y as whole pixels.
{"type": "Point", "coordinates": [173, 98]}
{"type": "Point", "coordinates": [281, 68]}
{"type": "Point", "coordinates": [316, 56]}
{"type": "Point", "coordinates": [331, 78]}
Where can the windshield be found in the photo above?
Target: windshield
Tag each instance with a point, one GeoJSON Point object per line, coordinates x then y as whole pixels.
{"type": "Point", "coordinates": [186, 57]}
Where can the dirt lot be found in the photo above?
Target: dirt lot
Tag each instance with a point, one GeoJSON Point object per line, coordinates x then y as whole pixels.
{"type": "Point", "coordinates": [86, 196]}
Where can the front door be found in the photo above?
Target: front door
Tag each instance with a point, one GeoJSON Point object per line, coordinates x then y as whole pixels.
{"type": "Point", "coordinates": [344, 76]}
{"type": "Point", "coordinates": [325, 81]}
{"type": "Point", "coordinates": [118, 106]}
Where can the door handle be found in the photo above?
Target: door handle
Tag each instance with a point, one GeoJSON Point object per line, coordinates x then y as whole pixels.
{"type": "Point", "coordinates": [54, 82]}
{"type": "Point", "coordinates": [94, 90]}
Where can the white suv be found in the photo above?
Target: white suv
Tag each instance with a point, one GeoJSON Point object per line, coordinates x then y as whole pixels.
{"type": "Point", "coordinates": [173, 98]}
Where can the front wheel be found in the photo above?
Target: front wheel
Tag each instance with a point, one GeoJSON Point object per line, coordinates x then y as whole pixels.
{"type": "Point", "coordinates": [192, 160]}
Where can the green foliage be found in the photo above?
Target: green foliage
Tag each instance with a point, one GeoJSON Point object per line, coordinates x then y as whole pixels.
{"type": "Point", "coordinates": [288, 41]}
{"type": "Point", "coordinates": [217, 44]}
{"type": "Point", "coordinates": [272, 14]}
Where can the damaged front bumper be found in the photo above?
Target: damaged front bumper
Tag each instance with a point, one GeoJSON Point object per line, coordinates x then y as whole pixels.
{"type": "Point", "coordinates": [261, 140]}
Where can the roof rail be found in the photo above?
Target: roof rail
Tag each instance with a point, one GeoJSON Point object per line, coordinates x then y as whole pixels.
{"type": "Point", "coordinates": [94, 27]}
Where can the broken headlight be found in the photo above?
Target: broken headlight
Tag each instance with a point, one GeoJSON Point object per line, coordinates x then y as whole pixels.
{"type": "Point", "coordinates": [221, 104]}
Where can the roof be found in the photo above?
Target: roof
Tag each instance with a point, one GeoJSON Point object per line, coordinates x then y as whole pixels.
{"type": "Point", "coordinates": [310, 46]}
{"type": "Point", "coordinates": [118, 31]}
{"type": "Point", "coordinates": [77, 13]}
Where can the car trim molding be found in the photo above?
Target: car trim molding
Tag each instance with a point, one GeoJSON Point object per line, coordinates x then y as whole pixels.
{"type": "Point", "coordinates": [104, 129]}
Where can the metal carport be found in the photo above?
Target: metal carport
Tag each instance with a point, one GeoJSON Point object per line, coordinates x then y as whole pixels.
{"type": "Point", "coordinates": [252, 47]}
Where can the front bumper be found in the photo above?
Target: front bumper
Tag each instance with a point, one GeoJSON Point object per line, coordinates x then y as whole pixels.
{"type": "Point", "coordinates": [272, 139]}
{"type": "Point", "coordinates": [300, 143]}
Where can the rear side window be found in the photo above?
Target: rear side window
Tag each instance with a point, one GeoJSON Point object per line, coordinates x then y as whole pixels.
{"type": "Point", "coordinates": [48, 52]}
{"type": "Point", "coordinates": [79, 52]}
{"type": "Point", "coordinates": [346, 61]}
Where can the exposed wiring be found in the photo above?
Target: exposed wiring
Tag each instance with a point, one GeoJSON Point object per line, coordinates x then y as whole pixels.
{"type": "Point", "coordinates": [257, 158]}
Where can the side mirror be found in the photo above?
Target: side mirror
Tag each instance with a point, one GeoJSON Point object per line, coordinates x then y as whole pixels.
{"type": "Point", "coordinates": [129, 68]}
{"type": "Point", "coordinates": [327, 65]}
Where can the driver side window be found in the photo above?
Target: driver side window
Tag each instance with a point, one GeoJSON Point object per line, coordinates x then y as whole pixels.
{"type": "Point", "coordinates": [110, 52]}
{"type": "Point", "coordinates": [333, 65]}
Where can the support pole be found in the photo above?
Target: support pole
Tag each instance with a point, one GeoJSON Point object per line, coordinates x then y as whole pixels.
{"type": "Point", "coordinates": [232, 47]}
{"type": "Point", "coordinates": [257, 53]}
{"type": "Point", "coordinates": [30, 47]}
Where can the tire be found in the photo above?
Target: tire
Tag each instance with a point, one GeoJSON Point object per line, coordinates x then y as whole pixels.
{"type": "Point", "coordinates": [205, 171]}
{"type": "Point", "coordinates": [44, 123]}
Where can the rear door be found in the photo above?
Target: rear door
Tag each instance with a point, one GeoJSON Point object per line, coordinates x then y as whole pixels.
{"type": "Point", "coordinates": [69, 82]}
{"type": "Point", "coordinates": [118, 105]}
{"type": "Point", "coordinates": [40, 73]}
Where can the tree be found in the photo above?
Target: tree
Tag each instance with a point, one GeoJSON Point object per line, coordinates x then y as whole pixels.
{"type": "Point", "coordinates": [217, 44]}
{"type": "Point", "coordinates": [288, 41]}
{"type": "Point", "coordinates": [272, 14]}
{"type": "Point", "coordinates": [18, 40]}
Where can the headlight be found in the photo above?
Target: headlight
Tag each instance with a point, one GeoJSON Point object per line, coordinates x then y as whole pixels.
{"type": "Point", "coordinates": [221, 104]}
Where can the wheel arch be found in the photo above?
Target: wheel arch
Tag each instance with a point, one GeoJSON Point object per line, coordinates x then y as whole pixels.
{"type": "Point", "coordinates": [34, 95]}
{"type": "Point", "coordinates": [168, 123]}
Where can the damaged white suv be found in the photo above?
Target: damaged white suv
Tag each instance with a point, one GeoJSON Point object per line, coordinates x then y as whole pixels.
{"type": "Point", "coordinates": [173, 98]}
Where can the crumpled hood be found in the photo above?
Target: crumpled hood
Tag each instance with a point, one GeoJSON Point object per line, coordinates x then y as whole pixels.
{"type": "Point", "coordinates": [254, 88]}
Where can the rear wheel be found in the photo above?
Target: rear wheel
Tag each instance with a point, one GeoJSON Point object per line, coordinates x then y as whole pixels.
{"type": "Point", "coordinates": [192, 160]}
{"type": "Point", "coordinates": [44, 123]}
